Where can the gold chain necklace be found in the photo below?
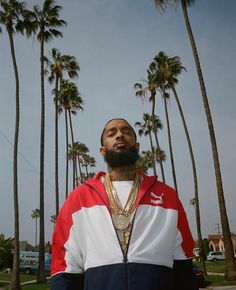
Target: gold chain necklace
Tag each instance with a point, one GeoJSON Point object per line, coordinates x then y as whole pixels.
{"type": "Point", "coordinates": [122, 217]}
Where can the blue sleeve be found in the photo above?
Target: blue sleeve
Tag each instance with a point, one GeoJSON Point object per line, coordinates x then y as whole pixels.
{"type": "Point", "coordinates": [67, 281]}
{"type": "Point", "coordinates": [183, 278]}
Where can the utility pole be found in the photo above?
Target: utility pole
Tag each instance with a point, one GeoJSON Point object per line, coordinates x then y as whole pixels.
{"type": "Point", "coordinates": [218, 228]}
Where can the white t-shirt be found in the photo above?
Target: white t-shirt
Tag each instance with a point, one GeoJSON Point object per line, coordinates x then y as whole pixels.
{"type": "Point", "coordinates": [123, 189]}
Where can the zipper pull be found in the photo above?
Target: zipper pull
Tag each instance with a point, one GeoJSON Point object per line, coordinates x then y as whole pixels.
{"type": "Point", "coordinates": [125, 260]}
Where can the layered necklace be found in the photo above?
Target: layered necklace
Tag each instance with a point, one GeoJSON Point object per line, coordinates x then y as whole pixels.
{"type": "Point", "coordinates": [122, 217]}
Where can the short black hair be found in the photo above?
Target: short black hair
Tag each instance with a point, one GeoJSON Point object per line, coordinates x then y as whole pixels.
{"type": "Point", "coordinates": [113, 120]}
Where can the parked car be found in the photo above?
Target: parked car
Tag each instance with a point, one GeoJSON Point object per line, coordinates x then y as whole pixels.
{"type": "Point", "coordinates": [215, 256]}
{"type": "Point", "coordinates": [199, 275]}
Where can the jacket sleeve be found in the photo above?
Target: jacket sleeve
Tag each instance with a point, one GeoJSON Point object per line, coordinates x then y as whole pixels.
{"type": "Point", "coordinates": [67, 258]}
{"type": "Point", "coordinates": [184, 243]}
{"type": "Point", "coordinates": [183, 254]}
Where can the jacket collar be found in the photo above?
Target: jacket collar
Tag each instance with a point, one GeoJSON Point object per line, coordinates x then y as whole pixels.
{"type": "Point", "coordinates": [97, 185]}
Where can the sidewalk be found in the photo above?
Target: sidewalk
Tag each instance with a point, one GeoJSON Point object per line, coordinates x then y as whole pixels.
{"type": "Point", "coordinates": [230, 287]}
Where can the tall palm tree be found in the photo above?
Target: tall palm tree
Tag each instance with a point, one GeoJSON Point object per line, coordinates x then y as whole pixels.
{"type": "Point", "coordinates": [165, 98]}
{"type": "Point", "coordinates": [45, 23]}
{"type": "Point", "coordinates": [150, 87]}
{"type": "Point", "coordinates": [58, 66]}
{"type": "Point", "coordinates": [35, 215]}
{"type": "Point", "coordinates": [171, 68]}
{"type": "Point", "coordinates": [11, 18]}
{"type": "Point", "coordinates": [229, 253]}
{"type": "Point", "coordinates": [70, 101]}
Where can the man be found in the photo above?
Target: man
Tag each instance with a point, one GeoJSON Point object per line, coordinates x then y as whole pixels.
{"type": "Point", "coordinates": [122, 229]}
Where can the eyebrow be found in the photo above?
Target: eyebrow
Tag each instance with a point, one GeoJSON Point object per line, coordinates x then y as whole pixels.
{"type": "Point", "coordinates": [115, 128]}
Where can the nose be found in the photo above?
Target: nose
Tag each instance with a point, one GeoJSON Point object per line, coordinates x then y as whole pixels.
{"type": "Point", "coordinates": [119, 134]}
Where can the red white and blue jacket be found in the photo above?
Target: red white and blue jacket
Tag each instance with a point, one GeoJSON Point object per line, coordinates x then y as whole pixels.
{"type": "Point", "coordinates": [86, 253]}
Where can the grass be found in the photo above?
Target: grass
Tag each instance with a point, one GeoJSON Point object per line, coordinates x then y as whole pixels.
{"type": "Point", "coordinates": [215, 267]}
{"type": "Point", "coordinates": [217, 280]}
{"type": "Point", "coordinates": [44, 286]}
{"type": "Point", "coordinates": [23, 277]}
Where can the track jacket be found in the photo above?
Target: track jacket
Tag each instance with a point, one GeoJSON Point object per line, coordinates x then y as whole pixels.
{"type": "Point", "coordinates": [86, 253]}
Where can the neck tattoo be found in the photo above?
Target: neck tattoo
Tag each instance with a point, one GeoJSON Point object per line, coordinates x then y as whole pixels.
{"type": "Point", "coordinates": [122, 174]}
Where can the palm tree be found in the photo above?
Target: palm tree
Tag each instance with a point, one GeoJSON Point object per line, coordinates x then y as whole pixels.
{"type": "Point", "coordinates": [59, 64]}
{"type": "Point", "coordinates": [6, 247]}
{"type": "Point", "coordinates": [70, 100]}
{"type": "Point", "coordinates": [11, 18]}
{"type": "Point", "coordinates": [145, 129]}
{"type": "Point", "coordinates": [141, 92]}
{"type": "Point", "coordinates": [229, 253]}
{"type": "Point", "coordinates": [35, 215]}
{"type": "Point", "coordinates": [145, 161]}
{"type": "Point", "coordinates": [79, 150]}
{"type": "Point", "coordinates": [87, 161]}
{"type": "Point", "coordinates": [171, 68]}
{"type": "Point", "coordinates": [160, 155]}
{"type": "Point", "coordinates": [43, 22]}
{"type": "Point", "coordinates": [157, 69]}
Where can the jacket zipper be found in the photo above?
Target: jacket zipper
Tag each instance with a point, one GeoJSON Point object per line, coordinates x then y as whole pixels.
{"type": "Point", "coordinates": [125, 254]}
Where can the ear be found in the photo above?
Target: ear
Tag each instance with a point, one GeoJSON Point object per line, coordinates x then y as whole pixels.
{"type": "Point", "coordinates": [137, 146]}
{"type": "Point", "coordinates": [102, 150]}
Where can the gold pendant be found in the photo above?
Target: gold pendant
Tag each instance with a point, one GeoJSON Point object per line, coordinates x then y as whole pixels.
{"type": "Point", "coordinates": [121, 222]}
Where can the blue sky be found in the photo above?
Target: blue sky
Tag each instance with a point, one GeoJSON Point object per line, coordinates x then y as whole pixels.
{"type": "Point", "coordinates": [114, 42]}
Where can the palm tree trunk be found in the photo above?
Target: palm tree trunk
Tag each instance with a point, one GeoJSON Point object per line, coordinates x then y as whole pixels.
{"type": "Point", "coordinates": [67, 159]}
{"type": "Point", "coordinates": [229, 253]}
{"type": "Point", "coordinates": [15, 280]}
{"type": "Point", "coordinates": [86, 170]}
{"type": "Point", "coordinates": [153, 124]}
{"type": "Point", "coordinates": [170, 143]}
{"type": "Point", "coordinates": [160, 161]}
{"type": "Point", "coordinates": [56, 147]}
{"type": "Point", "coordinates": [72, 147]}
{"type": "Point", "coordinates": [155, 134]}
{"type": "Point", "coordinates": [196, 195]}
{"type": "Point", "coordinates": [80, 171]}
{"type": "Point", "coordinates": [153, 153]}
{"type": "Point", "coordinates": [41, 277]}
{"type": "Point", "coordinates": [36, 231]}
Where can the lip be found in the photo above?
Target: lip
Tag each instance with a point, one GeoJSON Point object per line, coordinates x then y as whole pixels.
{"type": "Point", "coordinates": [120, 144]}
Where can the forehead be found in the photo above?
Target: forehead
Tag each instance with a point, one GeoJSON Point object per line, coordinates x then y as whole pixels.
{"type": "Point", "coordinates": [117, 124]}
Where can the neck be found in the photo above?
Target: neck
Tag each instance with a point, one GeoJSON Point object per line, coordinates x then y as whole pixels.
{"type": "Point", "coordinates": [122, 173]}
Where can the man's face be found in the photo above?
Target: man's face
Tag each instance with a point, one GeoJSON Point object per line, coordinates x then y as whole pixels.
{"type": "Point", "coordinates": [119, 143]}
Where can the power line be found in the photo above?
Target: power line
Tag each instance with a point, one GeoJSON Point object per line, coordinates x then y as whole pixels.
{"type": "Point", "coordinates": [25, 159]}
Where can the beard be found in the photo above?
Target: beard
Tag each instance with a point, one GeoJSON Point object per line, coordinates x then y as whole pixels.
{"type": "Point", "coordinates": [121, 159]}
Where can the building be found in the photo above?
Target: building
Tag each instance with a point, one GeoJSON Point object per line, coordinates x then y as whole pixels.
{"type": "Point", "coordinates": [216, 243]}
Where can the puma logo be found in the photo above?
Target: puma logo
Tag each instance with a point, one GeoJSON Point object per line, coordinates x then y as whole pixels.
{"type": "Point", "coordinates": [156, 198]}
